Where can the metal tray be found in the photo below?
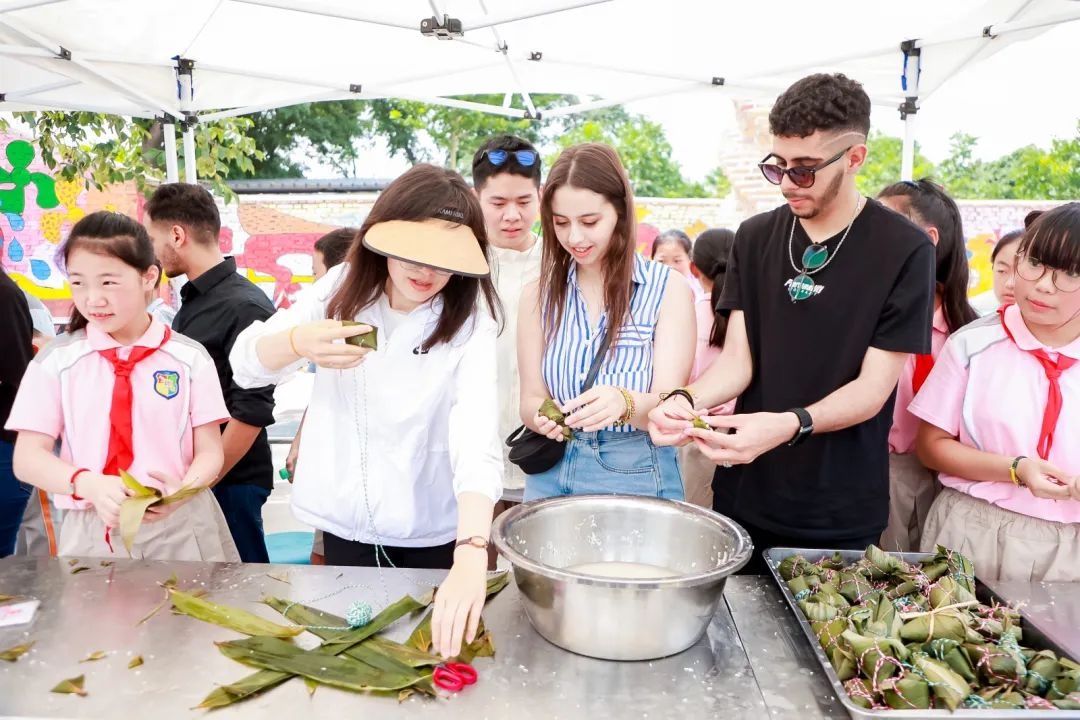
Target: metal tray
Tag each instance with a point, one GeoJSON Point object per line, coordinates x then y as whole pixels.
{"type": "Point", "coordinates": [1033, 637]}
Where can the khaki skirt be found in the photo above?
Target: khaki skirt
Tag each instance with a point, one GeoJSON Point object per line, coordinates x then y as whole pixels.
{"type": "Point", "coordinates": [697, 475]}
{"type": "Point", "coordinates": [196, 530]}
{"type": "Point", "coordinates": [912, 489]}
{"type": "Point", "coordinates": [1003, 545]}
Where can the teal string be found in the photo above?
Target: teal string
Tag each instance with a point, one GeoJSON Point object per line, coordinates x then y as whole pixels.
{"type": "Point", "coordinates": [975, 702]}
{"type": "Point", "coordinates": [359, 614]}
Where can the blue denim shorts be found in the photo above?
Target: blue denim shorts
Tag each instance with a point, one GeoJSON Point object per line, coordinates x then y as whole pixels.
{"type": "Point", "coordinates": [607, 462]}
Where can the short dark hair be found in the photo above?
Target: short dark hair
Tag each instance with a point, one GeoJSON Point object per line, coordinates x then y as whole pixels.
{"type": "Point", "coordinates": [483, 170]}
{"type": "Point", "coordinates": [1054, 237]}
{"type": "Point", "coordinates": [672, 236]}
{"type": "Point", "coordinates": [821, 102]}
{"type": "Point", "coordinates": [335, 244]}
{"type": "Point", "coordinates": [1013, 236]}
{"type": "Point", "coordinates": [189, 205]}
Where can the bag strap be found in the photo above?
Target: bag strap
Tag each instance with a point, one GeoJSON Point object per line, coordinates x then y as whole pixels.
{"type": "Point", "coordinates": [594, 369]}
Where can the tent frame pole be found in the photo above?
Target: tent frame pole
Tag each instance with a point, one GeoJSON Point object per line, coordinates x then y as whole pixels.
{"type": "Point", "coordinates": [910, 107]}
{"type": "Point", "coordinates": [172, 163]}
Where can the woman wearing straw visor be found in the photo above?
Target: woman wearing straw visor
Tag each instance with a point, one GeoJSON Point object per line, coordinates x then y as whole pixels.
{"type": "Point", "coordinates": [400, 462]}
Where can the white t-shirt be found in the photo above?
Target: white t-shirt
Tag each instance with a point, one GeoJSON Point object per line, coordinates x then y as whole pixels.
{"type": "Point", "coordinates": [511, 270]}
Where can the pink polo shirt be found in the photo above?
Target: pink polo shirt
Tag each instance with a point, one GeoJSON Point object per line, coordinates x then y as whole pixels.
{"type": "Point", "coordinates": [991, 394]}
{"type": "Point", "coordinates": [67, 393]}
{"type": "Point", "coordinates": [905, 425]}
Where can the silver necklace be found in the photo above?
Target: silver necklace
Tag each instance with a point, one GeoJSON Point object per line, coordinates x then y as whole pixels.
{"type": "Point", "coordinates": [815, 259]}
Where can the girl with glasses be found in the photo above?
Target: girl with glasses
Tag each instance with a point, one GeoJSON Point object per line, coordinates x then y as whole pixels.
{"type": "Point", "coordinates": [399, 462]}
{"type": "Point", "coordinates": [598, 291]}
{"type": "Point", "coordinates": [1000, 414]}
{"type": "Point", "coordinates": [912, 487]}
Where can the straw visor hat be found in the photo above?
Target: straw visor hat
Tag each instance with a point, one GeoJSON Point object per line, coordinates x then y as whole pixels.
{"type": "Point", "coordinates": [442, 242]}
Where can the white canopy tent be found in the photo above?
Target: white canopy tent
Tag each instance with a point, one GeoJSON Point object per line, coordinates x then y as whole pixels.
{"type": "Point", "coordinates": [202, 60]}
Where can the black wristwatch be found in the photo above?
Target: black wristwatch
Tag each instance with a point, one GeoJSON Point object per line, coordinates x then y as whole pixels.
{"type": "Point", "coordinates": [806, 426]}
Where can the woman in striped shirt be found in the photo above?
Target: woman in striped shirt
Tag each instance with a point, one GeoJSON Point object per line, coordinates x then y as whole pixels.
{"type": "Point", "coordinates": [592, 279]}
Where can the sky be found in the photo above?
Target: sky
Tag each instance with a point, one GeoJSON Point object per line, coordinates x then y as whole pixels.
{"type": "Point", "coordinates": [1025, 94]}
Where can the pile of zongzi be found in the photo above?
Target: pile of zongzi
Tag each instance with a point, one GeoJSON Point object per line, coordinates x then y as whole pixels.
{"type": "Point", "coordinates": [913, 636]}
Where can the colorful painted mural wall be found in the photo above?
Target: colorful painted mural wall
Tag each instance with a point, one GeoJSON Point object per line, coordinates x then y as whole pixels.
{"type": "Point", "coordinates": [271, 236]}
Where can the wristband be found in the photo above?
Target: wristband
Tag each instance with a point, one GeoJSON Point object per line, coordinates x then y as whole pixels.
{"type": "Point", "coordinates": [1012, 471]}
{"type": "Point", "coordinates": [680, 392]}
{"type": "Point", "coordinates": [71, 482]}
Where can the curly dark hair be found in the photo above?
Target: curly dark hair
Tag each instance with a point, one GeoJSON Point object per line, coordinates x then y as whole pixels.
{"type": "Point", "coordinates": [821, 102]}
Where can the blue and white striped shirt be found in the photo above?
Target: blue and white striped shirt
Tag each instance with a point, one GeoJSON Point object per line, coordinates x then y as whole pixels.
{"type": "Point", "coordinates": [570, 352]}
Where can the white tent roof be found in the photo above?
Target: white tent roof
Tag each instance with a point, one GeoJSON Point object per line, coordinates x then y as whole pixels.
{"type": "Point", "coordinates": [121, 56]}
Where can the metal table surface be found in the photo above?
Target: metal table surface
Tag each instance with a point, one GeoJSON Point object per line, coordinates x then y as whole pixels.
{"type": "Point", "coordinates": [751, 664]}
{"type": "Point", "coordinates": [1054, 607]}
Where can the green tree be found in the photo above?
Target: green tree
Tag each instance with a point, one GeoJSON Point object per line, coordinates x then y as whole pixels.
{"type": "Point", "coordinates": [1054, 175]}
{"type": "Point", "coordinates": [326, 131]}
{"type": "Point", "coordinates": [105, 149]}
{"type": "Point", "coordinates": [643, 148]}
{"type": "Point", "coordinates": [884, 162]}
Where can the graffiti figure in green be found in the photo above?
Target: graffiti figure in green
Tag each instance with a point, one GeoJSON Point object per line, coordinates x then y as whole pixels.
{"type": "Point", "coordinates": [13, 199]}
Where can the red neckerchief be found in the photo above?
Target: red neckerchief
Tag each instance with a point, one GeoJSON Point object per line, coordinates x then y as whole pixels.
{"type": "Point", "coordinates": [1054, 401]}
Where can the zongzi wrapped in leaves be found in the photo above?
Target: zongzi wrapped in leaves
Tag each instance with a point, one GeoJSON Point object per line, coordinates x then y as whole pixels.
{"type": "Point", "coordinates": [369, 340]}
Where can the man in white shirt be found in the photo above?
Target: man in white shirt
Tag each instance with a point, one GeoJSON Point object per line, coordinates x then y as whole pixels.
{"type": "Point", "coordinates": [506, 178]}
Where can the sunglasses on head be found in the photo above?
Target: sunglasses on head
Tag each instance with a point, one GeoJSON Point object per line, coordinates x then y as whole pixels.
{"type": "Point", "coordinates": [800, 175]}
{"type": "Point", "coordinates": [524, 158]}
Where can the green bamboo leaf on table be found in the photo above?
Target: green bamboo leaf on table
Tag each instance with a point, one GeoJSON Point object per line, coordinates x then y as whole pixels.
{"type": "Point", "coordinates": [71, 686]}
{"type": "Point", "coordinates": [14, 653]}
{"type": "Point", "coordinates": [229, 617]}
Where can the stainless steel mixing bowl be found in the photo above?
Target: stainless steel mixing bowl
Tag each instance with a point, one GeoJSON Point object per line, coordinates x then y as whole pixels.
{"type": "Point", "coordinates": [620, 619]}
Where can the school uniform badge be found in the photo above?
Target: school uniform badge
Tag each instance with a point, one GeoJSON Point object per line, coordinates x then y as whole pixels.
{"type": "Point", "coordinates": [167, 383]}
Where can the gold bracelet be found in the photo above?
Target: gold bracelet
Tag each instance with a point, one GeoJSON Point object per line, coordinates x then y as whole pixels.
{"type": "Point", "coordinates": [292, 345]}
{"type": "Point", "coordinates": [629, 399]}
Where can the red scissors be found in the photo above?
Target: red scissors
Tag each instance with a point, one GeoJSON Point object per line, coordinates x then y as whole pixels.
{"type": "Point", "coordinates": [454, 676]}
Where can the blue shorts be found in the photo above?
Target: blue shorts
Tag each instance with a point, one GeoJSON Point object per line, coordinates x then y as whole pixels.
{"type": "Point", "coordinates": [608, 462]}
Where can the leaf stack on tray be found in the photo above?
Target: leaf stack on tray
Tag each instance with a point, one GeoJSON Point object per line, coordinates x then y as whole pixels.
{"type": "Point", "coordinates": [356, 659]}
{"type": "Point", "coordinates": [913, 636]}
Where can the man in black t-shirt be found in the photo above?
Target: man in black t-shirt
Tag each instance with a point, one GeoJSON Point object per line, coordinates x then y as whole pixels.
{"type": "Point", "coordinates": [827, 296]}
{"type": "Point", "coordinates": [218, 304]}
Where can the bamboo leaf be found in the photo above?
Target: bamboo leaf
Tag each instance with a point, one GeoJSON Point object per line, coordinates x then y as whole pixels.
{"type": "Point", "coordinates": [342, 672]}
{"type": "Point", "coordinates": [81, 568]}
{"type": "Point", "coordinates": [229, 617]}
{"type": "Point", "coordinates": [6, 598]}
{"type": "Point", "coordinates": [132, 511]}
{"type": "Point", "coordinates": [73, 562]}
{"type": "Point", "coordinates": [243, 689]}
{"type": "Point", "coordinates": [420, 639]}
{"type": "Point", "coordinates": [402, 653]}
{"type": "Point", "coordinates": [106, 563]}
{"type": "Point", "coordinates": [140, 490]}
{"type": "Point", "coordinates": [280, 577]}
{"type": "Point", "coordinates": [182, 494]}
{"type": "Point", "coordinates": [14, 653]}
{"type": "Point", "coordinates": [135, 662]}
{"type": "Point", "coordinates": [94, 656]}
{"type": "Point", "coordinates": [71, 686]}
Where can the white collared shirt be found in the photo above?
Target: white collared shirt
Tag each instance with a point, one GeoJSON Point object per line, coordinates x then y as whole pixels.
{"type": "Point", "coordinates": [410, 431]}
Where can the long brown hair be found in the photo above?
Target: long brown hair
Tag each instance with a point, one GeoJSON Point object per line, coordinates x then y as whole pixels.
{"type": "Point", "coordinates": [423, 192]}
{"type": "Point", "coordinates": [595, 167]}
{"type": "Point", "coordinates": [111, 234]}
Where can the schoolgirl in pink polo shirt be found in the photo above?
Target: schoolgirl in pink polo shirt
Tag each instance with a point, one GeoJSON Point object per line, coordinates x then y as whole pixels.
{"type": "Point", "coordinates": [912, 488]}
{"type": "Point", "coordinates": [122, 392]}
{"type": "Point", "coordinates": [1001, 414]}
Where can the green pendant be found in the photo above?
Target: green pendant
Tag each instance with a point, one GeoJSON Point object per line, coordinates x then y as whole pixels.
{"type": "Point", "coordinates": [814, 257]}
{"type": "Point", "coordinates": [800, 287]}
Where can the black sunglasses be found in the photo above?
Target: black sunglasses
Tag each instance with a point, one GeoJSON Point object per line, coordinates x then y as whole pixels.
{"type": "Point", "coordinates": [524, 158]}
{"type": "Point", "coordinates": [800, 175]}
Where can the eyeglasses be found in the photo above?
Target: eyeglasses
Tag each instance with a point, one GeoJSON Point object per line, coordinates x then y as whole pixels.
{"type": "Point", "coordinates": [1033, 269]}
{"type": "Point", "coordinates": [800, 175]}
{"type": "Point", "coordinates": [524, 158]}
{"type": "Point", "coordinates": [415, 267]}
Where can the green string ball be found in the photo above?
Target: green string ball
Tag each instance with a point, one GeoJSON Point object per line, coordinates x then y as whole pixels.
{"type": "Point", "coordinates": [359, 614]}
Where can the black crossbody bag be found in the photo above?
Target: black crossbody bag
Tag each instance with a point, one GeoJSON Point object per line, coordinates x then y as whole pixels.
{"type": "Point", "coordinates": [535, 453]}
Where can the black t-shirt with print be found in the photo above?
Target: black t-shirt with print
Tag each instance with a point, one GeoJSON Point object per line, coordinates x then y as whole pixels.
{"type": "Point", "coordinates": [878, 291]}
